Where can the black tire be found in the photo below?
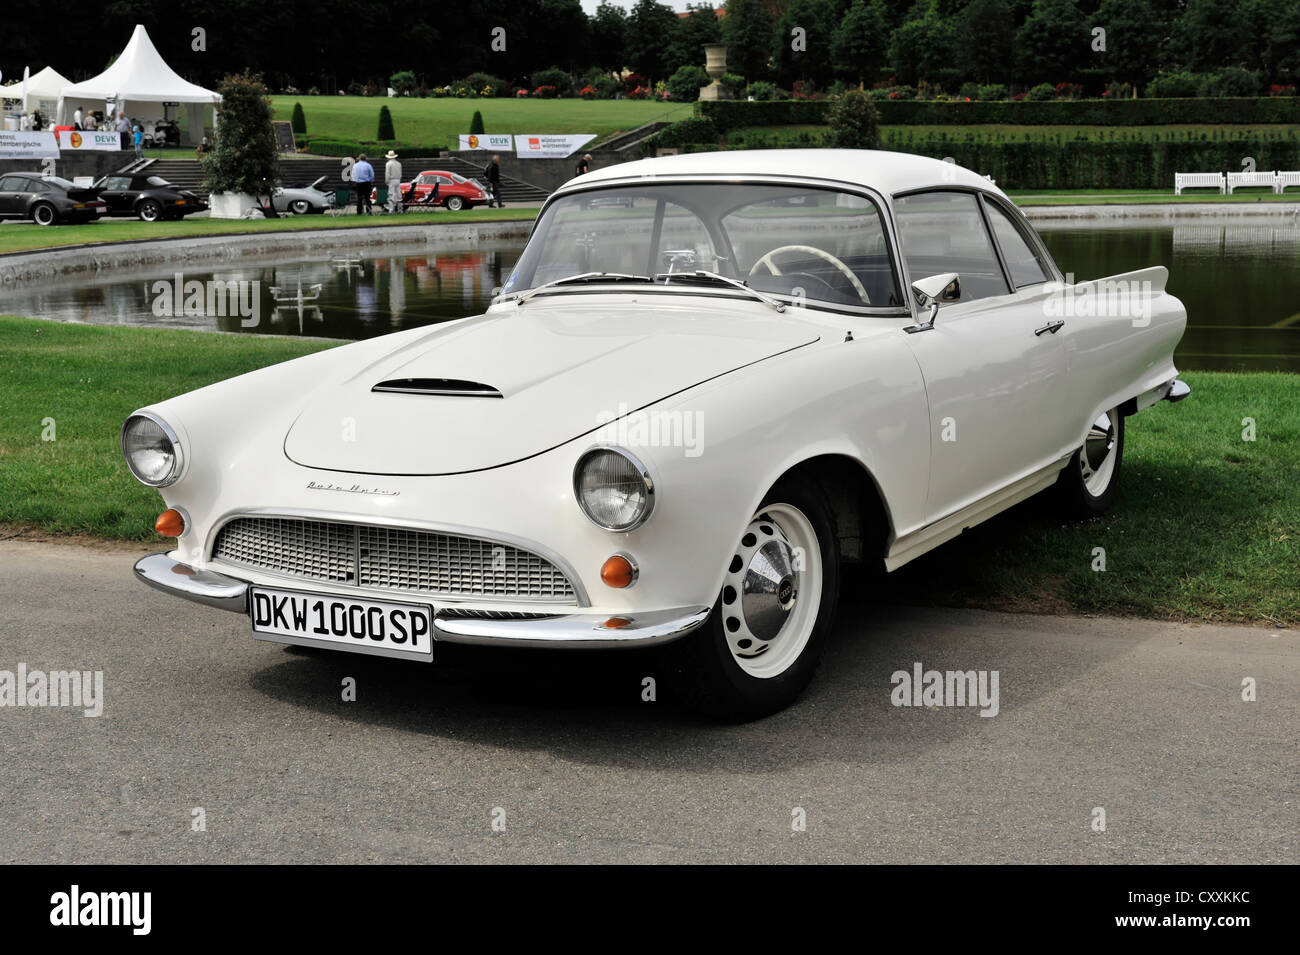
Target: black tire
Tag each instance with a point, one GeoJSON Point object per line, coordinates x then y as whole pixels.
{"type": "Point", "coordinates": [706, 674]}
{"type": "Point", "coordinates": [44, 214]}
{"type": "Point", "coordinates": [1082, 488]}
{"type": "Point", "coordinates": [300, 207]}
{"type": "Point", "coordinates": [455, 204]}
{"type": "Point", "coordinates": [149, 211]}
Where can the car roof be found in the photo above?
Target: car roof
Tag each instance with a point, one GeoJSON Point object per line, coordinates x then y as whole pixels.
{"type": "Point", "coordinates": [888, 172]}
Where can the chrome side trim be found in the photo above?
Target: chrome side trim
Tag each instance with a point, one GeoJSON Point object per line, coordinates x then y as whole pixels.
{"type": "Point", "coordinates": [573, 630]}
{"type": "Point", "coordinates": [201, 586]}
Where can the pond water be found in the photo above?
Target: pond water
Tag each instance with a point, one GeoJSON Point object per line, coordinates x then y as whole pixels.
{"type": "Point", "coordinates": [1238, 277]}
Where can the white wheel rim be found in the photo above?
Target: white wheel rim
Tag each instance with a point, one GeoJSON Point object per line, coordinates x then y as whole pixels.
{"type": "Point", "coordinates": [1099, 452]}
{"type": "Point", "coordinates": [772, 591]}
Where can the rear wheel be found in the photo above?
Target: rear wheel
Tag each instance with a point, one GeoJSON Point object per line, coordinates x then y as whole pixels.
{"type": "Point", "coordinates": [44, 214]}
{"type": "Point", "coordinates": [455, 203]}
{"type": "Point", "coordinates": [149, 211]}
{"type": "Point", "coordinates": [765, 637]}
{"type": "Point", "coordinates": [300, 207]}
{"type": "Point", "coordinates": [1087, 484]}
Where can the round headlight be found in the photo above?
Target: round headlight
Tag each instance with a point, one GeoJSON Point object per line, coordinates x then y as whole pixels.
{"type": "Point", "coordinates": [613, 489]}
{"type": "Point", "coordinates": [151, 449]}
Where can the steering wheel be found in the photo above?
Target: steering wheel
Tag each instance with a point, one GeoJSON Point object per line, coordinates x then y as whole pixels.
{"type": "Point", "coordinates": [767, 263]}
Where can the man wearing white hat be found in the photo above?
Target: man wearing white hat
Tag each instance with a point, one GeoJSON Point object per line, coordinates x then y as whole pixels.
{"type": "Point", "coordinates": [393, 179]}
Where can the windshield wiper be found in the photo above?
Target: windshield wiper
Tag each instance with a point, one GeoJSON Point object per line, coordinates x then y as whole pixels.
{"type": "Point", "coordinates": [582, 277]}
{"type": "Point", "coordinates": [715, 277]}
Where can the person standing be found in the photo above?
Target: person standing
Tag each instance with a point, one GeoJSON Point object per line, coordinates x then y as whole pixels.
{"type": "Point", "coordinates": [89, 122]}
{"type": "Point", "coordinates": [122, 126]}
{"type": "Point", "coordinates": [76, 118]}
{"type": "Point", "coordinates": [25, 124]}
{"type": "Point", "coordinates": [38, 121]}
{"type": "Point", "coordinates": [363, 178]}
{"type": "Point", "coordinates": [493, 174]}
{"type": "Point", "coordinates": [137, 136]}
{"type": "Point", "coordinates": [583, 167]}
{"type": "Point", "coordinates": [393, 179]}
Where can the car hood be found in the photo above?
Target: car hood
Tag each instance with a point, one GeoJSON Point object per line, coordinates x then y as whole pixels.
{"type": "Point", "coordinates": [518, 381]}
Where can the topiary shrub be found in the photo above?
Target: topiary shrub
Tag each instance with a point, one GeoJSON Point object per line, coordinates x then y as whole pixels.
{"type": "Point", "coordinates": [761, 91]}
{"type": "Point", "coordinates": [385, 132]}
{"type": "Point", "coordinates": [476, 124]}
{"type": "Point", "coordinates": [1173, 86]}
{"type": "Point", "coordinates": [684, 85]}
{"type": "Point", "coordinates": [299, 120]}
{"type": "Point", "coordinates": [1043, 91]}
{"type": "Point", "coordinates": [854, 122]}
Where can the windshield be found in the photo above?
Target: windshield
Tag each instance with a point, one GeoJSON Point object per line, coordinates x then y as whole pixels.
{"type": "Point", "coordinates": [794, 241]}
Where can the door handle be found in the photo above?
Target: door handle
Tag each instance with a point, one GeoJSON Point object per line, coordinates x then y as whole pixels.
{"type": "Point", "coordinates": [1052, 327]}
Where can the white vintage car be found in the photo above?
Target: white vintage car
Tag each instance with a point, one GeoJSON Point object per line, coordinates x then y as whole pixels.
{"type": "Point", "coordinates": [710, 381]}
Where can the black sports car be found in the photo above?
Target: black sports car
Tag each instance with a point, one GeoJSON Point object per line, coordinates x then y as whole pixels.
{"type": "Point", "coordinates": [47, 199]}
{"type": "Point", "coordinates": [151, 198]}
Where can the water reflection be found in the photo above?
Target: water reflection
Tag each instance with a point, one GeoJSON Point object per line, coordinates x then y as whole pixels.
{"type": "Point", "coordinates": [1238, 277]}
{"type": "Point", "coordinates": [341, 297]}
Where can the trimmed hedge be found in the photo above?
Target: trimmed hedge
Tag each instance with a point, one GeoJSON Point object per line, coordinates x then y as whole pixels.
{"type": "Point", "coordinates": [1094, 164]}
{"type": "Point", "coordinates": [730, 114]}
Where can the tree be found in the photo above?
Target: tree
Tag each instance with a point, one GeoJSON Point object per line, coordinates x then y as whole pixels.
{"type": "Point", "coordinates": [922, 44]}
{"type": "Point", "coordinates": [609, 36]}
{"type": "Point", "coordinates": [647, 26]}
{"type": "Point", "coordinates": [986, 29]}
{"type": "Point", "coordinates": [1134, 35]}
{"type": "Point", "coordinates": [748, 30]}
{"type": "Point", "coordinates": [684, 85]}
{"type": "Point", "coordinates": [693, 31]}
{"type": "Point", "coordinates": [386, 132]}
{"type": "Point", "coordinates": [403, 82]}
{"type": "Point", "coordinates": [1211, 34]}
{"type": "Point", "coordinates": [244, 157]}
{"type": "Point", "coordinates": [802, 44]}
{"type": "Point", "coordinates": [476, 124]}
{"type": "Point", "coordinates": [1052, 41]}
{"type": "Point", "coordinates": [860, 44]}
{"type": "Point", "coordinates": [854, 122]}
{"type": "Point", "coordinates": [299, 120]}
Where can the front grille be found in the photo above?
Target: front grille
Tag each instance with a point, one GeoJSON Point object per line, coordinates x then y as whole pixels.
{"type": "Point", "coordinates": [389, 558]}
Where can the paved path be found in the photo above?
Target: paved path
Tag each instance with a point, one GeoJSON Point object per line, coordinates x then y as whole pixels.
{"type": "Point", "coordinates": [1142, 718]}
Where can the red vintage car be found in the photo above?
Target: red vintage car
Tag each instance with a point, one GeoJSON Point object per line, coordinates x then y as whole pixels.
{"type": "Point", "coordinates": [454, 192]}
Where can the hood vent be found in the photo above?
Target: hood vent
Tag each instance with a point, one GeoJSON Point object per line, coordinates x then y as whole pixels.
{"type": "Point", "coordinates": [438, 386]}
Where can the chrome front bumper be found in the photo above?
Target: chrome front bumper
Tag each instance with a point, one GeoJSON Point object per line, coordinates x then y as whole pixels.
{"type": "Point", "coordinates": [564, 630]}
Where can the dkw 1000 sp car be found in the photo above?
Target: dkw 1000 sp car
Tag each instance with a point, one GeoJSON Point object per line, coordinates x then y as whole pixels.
{"type": "Point", "coordinates": [710, 382]}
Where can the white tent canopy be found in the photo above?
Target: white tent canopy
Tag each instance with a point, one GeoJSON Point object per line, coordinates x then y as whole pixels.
{"type": "Point", "coordinates": [138, 83]}
{"type": "Point", "coordinates": [43, 90]}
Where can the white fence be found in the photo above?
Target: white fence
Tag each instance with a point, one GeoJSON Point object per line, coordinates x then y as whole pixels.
{"type": "Point", "coordinates": [1276, 181]}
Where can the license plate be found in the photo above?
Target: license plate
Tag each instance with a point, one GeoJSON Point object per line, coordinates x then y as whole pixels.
{"type": "Point", "coordinates": [363, 626]}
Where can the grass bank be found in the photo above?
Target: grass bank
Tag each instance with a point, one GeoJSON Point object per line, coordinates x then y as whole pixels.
{"type": "Point", "coordinates": [1205, 526]}
{"type": "Point", "coordinates": [435, 122]}
{"type": "Point", "coordinates": [24, 237]}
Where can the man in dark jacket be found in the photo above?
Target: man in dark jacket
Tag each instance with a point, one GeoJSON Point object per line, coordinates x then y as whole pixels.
{"type": "Point", "coordinates": [493, 175]}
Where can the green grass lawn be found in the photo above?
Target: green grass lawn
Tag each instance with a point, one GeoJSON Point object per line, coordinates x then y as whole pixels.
{"type": "Point", "coordinates": [21, 237]}
{"type": "Point", "coordinates": [434, 122]}
{"type": "Point", "coordinates": [1205, 525]}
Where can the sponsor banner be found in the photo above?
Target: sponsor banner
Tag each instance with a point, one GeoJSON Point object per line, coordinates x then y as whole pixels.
{"type": "Point", "coordinates": [20, 145]}
{"type": "Point", "coordinates": [88, 139]}
{"type": "Point", "coordinates": [542, 146]}
{"type": "Point", "coordinates": [497, 142]}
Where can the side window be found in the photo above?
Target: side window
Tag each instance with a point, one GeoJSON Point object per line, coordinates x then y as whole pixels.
{"type": "Point", "coordinates": [12, 184]}
{"type": "Point", "coordinates": [944, 232]}
{"type": "Point", "coordinates": [1023, 263]}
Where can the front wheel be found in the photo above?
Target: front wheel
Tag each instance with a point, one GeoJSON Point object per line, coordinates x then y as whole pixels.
{"type": "Point", "coordinates": [455, 203]}
{"type": "Point", "coordinates": [765, 637]}
{"type": "Point", "coordinates": [1087, 484]}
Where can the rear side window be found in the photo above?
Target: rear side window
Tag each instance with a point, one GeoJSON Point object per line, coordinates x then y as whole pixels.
{"type": "Point", "coordinates": [944, 232]}
{"type": "Point", "coordinates": [1023, 262]}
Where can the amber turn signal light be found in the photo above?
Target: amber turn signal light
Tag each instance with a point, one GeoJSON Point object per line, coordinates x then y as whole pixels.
{"type": "Point", "coordinates": [618, 572]}
{"type": "Point", "coordinates": [170, 523]}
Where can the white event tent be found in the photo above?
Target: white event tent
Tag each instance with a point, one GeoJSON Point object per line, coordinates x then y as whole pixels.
{"type": "Point", "coordinates": [138, 83]}
{"type": "Point", "coordinates": [43, 90]}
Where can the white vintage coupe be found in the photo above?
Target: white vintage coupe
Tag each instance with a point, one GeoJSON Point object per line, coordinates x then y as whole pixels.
{"type": "Point", "coordinates": [710, 381]}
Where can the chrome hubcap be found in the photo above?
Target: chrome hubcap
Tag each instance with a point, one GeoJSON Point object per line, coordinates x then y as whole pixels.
{"type": "Point", "coordinates": [1097, 458]}
{"type": "Point", "coordinates": [771, 591]}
